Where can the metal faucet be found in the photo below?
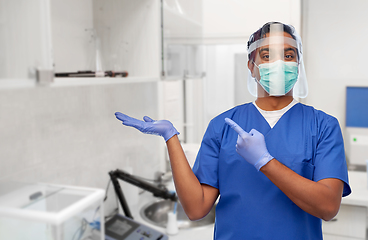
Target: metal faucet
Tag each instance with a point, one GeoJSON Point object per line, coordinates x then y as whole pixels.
{"type": "Point", "coordinates": [158, 191]}
{"type": "Point", "coordinates": [161, 178]}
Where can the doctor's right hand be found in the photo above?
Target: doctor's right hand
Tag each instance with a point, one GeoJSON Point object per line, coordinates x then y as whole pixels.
{"type": "Point", "coordinates": [162, 128]}
{"type": "Point", "coordinates": [251, 146]}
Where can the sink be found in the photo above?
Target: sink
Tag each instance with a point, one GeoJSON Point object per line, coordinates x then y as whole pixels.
{"type": "Point", "coordinates": [156, 213]}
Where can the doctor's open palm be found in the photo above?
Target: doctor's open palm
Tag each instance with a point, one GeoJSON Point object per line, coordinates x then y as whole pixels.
{"type": "Point", "coordinates": [162, 128]}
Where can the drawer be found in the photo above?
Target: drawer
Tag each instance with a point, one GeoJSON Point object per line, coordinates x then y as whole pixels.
{"type": "Point", "coordinates": [335, 237]}
{"type": "Point", "coordinates": [349, 222]}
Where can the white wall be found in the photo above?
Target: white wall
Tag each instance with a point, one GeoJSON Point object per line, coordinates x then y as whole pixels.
{"type": "Point", "coordinates": [229, 21]}
{"type": "Point", "coordinates": [70, 135]}
{"type": "Point", "coordinates": [183, 21]}
{"type": "Point", "coordinates": [221, 85]}
{"type": "Point", "coordinates": [334, 43]}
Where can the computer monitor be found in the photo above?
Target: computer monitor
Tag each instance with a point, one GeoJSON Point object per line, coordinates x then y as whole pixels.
{"type": "Point", "coordinates": [357, 125]}
{"type": "Point", "coordinates": [357, 107]}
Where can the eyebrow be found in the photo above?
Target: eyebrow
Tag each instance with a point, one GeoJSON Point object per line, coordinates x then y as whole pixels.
{"type": "Point", "coordinates": [264, 49]}
{"type": "Point", "coordinates": [285, 50]}
{"type": "Point", "coordinates": [290, 49]}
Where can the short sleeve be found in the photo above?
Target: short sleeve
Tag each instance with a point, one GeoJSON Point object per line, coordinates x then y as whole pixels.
{"type": "Point", "coordinates": [206, 165]}
{"type": "Point", "coordinates": [330, 161]}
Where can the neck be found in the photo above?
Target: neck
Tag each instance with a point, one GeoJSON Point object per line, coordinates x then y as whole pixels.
{"type": "Point", "coordinates": [273, 103]}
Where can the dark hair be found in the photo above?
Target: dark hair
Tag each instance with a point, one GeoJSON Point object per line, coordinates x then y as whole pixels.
{"type": "Point", "coordinates": [261, 33]}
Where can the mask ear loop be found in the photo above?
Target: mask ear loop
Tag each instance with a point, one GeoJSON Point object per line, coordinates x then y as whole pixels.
{"type": "Point", "coordinates": [255, 79]}
{"type": "Point", "coordinates": [258, 81]}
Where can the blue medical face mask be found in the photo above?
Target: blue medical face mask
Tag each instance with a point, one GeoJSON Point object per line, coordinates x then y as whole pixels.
{"type": "Point", "coordinates": [279, 77]}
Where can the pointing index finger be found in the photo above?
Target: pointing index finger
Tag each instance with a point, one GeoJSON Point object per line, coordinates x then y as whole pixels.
{"type": "Point", "coordinates": [236, 127]}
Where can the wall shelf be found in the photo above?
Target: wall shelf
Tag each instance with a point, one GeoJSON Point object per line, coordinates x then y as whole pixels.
{"type": "Point", "coordinates": [63, 82]}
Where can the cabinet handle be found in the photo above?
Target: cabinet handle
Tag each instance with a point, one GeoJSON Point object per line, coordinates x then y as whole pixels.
{"type": "Point", "coordinates": [333, 220]}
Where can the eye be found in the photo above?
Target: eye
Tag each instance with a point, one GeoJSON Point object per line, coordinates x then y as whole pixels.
{"type": "Point", "coordinates": [289, 56]}
{"type": "Point", "coordinates": [265, 57]}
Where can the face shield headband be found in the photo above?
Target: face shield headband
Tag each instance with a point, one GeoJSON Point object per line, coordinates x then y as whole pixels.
{"type": "Point", "coordinates": [272, 40]}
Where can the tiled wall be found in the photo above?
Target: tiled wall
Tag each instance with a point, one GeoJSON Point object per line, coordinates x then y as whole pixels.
{"type": "Point", "coordinates": [69, 135]}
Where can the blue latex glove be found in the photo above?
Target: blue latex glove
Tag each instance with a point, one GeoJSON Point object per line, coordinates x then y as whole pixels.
{"type": "Point", "coordinates": [162, 128]}
{"type": "Point", "coordinates": [251, 146]}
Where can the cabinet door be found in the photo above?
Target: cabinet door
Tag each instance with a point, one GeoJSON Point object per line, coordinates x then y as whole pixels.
{"type": "Point", "coordinates": [349, 222]}
{"type": "Point", "coordinates": [25, 38]}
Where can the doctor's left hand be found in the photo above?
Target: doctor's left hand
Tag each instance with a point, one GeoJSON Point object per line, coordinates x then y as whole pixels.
{"type": "Point", "coordinates": [251, 146]}
{"type": "Point", "coordinates": [162, 128]}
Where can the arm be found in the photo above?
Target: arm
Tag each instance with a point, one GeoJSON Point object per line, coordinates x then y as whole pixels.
{"type": "Point", "coordinates": [197, 199]}
{"type": "Point", "coordinates": [321, 199]}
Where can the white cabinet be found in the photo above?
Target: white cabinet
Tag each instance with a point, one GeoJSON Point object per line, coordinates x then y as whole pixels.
{"type": "Point", "coordinates": [335, 237]}
{"type": "Point", "coordinates": [25, 42]}
{"type": "Point", "coordinates": [85, 35]}
{"type": "Point", "coordinates": [350, 223]}
{"type": "Point", "coordinates": [117, 35]}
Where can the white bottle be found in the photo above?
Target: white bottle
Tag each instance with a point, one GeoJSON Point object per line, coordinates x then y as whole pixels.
{"type": "Point", "coordinates": [172, 223]}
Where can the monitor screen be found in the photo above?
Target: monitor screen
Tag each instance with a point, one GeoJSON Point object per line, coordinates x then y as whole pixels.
{"type": "Point", "coordinates": [119, 227]}
{"type": "Point", "coordinates": [357, 107]}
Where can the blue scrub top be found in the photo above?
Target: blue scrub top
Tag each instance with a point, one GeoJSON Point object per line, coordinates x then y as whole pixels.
{"type": "Point", "coordinates": [306, 140]}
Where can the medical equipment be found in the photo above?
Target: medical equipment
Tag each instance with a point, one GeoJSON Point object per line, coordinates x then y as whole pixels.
{"type": "Point", "coordinates": [50, 212]}
{"type": "Point", "coordinates": [357, 126]}
{"type": "Point", "coordinates": [172, 223]}
{"type": "Point", "coordinates": [120, 227]}
{"type": "Point", "coordinates": [124, 227]}
{"type": "Point", "coordinates": [271, 43]}
{"type": "Point", "coordinates": [157, 191]}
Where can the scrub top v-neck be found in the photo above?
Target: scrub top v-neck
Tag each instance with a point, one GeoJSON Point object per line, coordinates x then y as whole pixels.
{"type": "Point", "coordinates": [304, 139]}
{"type": "Point", "coordinates": [272, 117]}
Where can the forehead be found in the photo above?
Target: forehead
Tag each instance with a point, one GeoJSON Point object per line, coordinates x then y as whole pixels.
{"type": "Point", "coordinates": [278, 40]}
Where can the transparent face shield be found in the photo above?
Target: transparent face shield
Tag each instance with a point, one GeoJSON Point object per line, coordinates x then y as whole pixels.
{"type": "Point", "coordinates": [276, 65]}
